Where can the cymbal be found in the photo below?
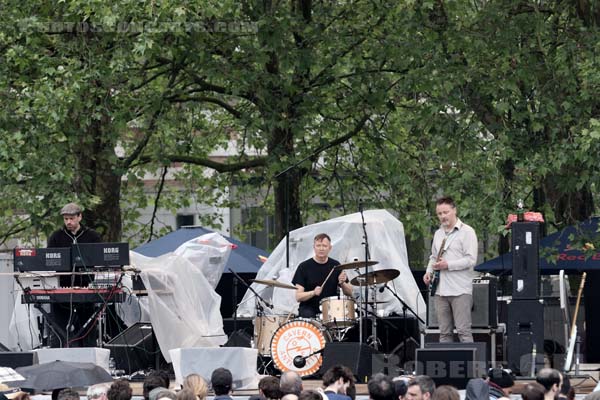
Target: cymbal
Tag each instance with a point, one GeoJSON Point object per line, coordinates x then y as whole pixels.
{"type": "Point", "coordinates": [271, 282]}
{"type": "Point", "coordinates": [355, 264]}
{"type": "Point", "coordinates": [375, 277]}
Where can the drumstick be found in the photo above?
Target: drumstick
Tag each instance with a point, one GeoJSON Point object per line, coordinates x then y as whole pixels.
{"type": "Point", "coordinates": [330, 272]}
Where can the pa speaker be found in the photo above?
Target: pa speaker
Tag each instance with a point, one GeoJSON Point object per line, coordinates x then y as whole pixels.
{"type": "Point", "coordinates": [359, 357]}
{"type": "Point", "coordinates": [239, 338]}
{"type": "Point", "coordinates": [18, 359]}
{"type": "Point", "coordinates": [484, 313]}
{"type": "Point", "coordinates": [525, 335]}
{"type": "Point", "coordinates": [135, 348]}
{"type": "Point", "coordinates": [525, 260]}
{"type": "Point", "coordinates": [449, 365]}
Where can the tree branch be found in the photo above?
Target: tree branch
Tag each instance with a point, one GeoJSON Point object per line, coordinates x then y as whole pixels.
{"type": "Point", "coordinates": [205, 99]}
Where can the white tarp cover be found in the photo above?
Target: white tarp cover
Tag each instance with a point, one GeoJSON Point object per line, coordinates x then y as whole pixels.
{"type": "Point", "coordinates": [183, 307]}
{"type": "Point", "coordinates": [386, 244]}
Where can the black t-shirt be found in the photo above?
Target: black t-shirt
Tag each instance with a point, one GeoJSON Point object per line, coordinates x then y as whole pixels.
{"type": "Point", "coordinates": [311, 274]}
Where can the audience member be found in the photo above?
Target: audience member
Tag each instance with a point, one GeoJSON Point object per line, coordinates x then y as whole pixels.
{"type": "Point", "coordinates": [222, 384]}
{"type": "Point", "coordinates": [197, 385]}
{"type": "Point", "coordinates": [420, 388]}
{"type": "Point", "coordinates": [501, 383]}
{"type": "Point", "coordinates": [98, 391]}
{"type": "Point", "coordinates": [400, 387]}
{"type": "Point", "coordinates": [551, 380]}
{"type": "Point", "coordinates": [310, 395]}
{"type": "Point", "coordinates": [290, 383]}
{"type": "Point", "coordinates": [351, 391]}
{"type": "Point", "coordinates": [12, 393]}
{"type": "Point", "coordinates": [67, 394]}
{"type": "Point", "coordinates": [269, 388]}
{"type": "Point", "coordinates": [186, 394]}
{"type": "Point", "coordinates": [595, 395]}
{"type": "Point", "coordinates": [335, 382]}
{"type": "Point", "coordinates": [533, 391]}
{"type": "Point", "coordinates": [119, 390]}
{"type": "Point", "coordinates": [567, 392]}
{"type": "Point", "coordinates": [166, 394]}
{"type": "Point", "coordinates": [152, 381]}
{"type": "Point", "coordinates": [477, 389]}
{"type": "Point", "coordinates": [445, 392]}
{"type": "Point", "coordinates": [381, 387]}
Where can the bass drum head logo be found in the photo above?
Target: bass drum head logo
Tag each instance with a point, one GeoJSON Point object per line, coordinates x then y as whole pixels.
{"type": "Point", "coordinates": [298, 338]}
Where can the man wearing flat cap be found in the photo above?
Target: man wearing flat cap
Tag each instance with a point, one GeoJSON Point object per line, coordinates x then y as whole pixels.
{"type": "Point", "coordinates": [71, 320]}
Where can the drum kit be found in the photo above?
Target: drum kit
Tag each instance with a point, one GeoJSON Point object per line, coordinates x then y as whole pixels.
{"type": "Point", "coordinates": [296, 343]}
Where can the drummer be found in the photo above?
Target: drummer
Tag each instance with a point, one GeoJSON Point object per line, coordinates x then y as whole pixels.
{"type": "Point", "coordinates": [311, 274]}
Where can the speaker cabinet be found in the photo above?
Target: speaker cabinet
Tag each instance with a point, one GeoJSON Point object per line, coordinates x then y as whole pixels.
{"type": "Point", "coordinates": [484, 313]}
{"type": "Point", "coordinates": [525, 248]}
{"type": "Point", "coordinates": [135, 348]}
{"type": "Point", "coordinates": [449, 365]}
{"type": "Point", "coordinates": [18, 359]}
{"type": "Point", "coordinates": [359, 357]}
{"type": "Point", "coordinates": [525, 335]}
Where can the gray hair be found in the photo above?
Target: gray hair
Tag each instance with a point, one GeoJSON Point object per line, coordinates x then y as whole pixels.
{"type": "Point", "coordinates": [290, 383]}
{"type": "Point", "coordinates": [97, 390]}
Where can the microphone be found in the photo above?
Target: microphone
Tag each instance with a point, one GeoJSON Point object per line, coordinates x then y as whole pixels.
{"type": "Point", "coordinates": [381, 289]}
{"type": "Point", "coordinates": [300, 361]}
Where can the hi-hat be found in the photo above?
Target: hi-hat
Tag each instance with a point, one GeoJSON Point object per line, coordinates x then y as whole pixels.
{"type": "Point", "coordinates": [270, 282]}
{"type": "Point", "coordinates": [355, 264]}
{"type": "Point", "coordinates": [375, 277]}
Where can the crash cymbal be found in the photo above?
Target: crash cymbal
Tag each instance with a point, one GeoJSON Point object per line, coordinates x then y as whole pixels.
{"type": "Point", "coordinates": [355, 264]}
{"type": "Point", "coordinates": [375, 277]}
{"type": "Point", "coordinates": [270, 282]}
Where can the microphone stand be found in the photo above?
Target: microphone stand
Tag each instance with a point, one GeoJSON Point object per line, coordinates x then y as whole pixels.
{"type": "Point", "coordinates": [258, 296]}
{"type": "Point", "coordinates": [367, 257]}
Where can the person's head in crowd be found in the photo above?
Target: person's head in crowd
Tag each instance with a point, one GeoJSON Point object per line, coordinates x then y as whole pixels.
{"type": "Point", "coordinates": [381, 387]}
{"type": "Point", "coordinates": [337, 379]}
{"type": "Point", "coordinates": [67, 394]}
{"type": "Point", "coordinates": [445, 392]}
{"type": "Point", "coordinates": [477, 389]}
{"type": "Point", "coordinates": [290, 383]}
{"type": "Point", "coordinates": [567, 392]}
{"type": "Point", "coordinates": [98, 391]}
{"type": "Point", "coordinates": [533, 391]}
{"type": "Point", "coordinates": [152, 381]}
{"type": "Point", "coordinates": [269, 387]}
{"type": "Point", "coordinates": [12, 393]}
{"type": "Point", "coordinates": [197, 385]}
{"type": "Point", "coordinates": [119, 390]}
{"type": "Point", "coordinates": [186, 394]}
{"type": "Point", "coordinates": [166, 394]}
{"type": "Point", "coordinates": [401, 386]}
{"type": "Point", "coordinates": [420, 388]}
{"type": "Point", "coordinates": [310, 395]}
{"type": "Point", "coordinates": [221, 381]}
{"type": "Point", "coordinates": [551, 380]}
{"type": "Point", "coordinates": [501, 379]}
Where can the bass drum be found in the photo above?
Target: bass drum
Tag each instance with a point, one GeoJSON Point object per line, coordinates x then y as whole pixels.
{"type": "Point", "coordinates": [264, 329]}
{"type": "Point", "coordinates": [300, 337]}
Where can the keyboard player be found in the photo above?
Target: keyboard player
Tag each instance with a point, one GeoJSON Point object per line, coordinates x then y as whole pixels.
{"type": "Point", "coordinates": [72, 233]}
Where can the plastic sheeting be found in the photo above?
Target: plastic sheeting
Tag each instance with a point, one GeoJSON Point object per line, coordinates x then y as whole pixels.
{"type": "Point", "coordinates": [386, 244]}
{"type": "Point", "coordinates": [183, 307]}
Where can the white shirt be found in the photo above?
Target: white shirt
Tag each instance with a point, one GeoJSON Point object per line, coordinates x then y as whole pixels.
{"type": "Point", "coordinates": [461, 254]}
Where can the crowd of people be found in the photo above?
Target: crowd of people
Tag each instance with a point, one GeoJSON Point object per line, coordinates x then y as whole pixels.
{"type": "Point", "coordinates": [338, 383]}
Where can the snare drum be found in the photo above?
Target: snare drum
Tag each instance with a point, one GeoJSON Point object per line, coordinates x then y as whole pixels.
{"type": "Point", "coordinates": [300, 337]}
{"type": "Point", "coordinates": [264, 328]}
{"type": "Point", "coordinates": [338, 312]}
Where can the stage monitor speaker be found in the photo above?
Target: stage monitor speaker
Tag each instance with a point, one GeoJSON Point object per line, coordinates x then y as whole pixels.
{"type": "Point", "coordinates": [449, 366]}
{"type": "Point", "coordinates": [525, 335]}
{"type": "Point", "coordinates": [135, 348]}
{"type": "Point", "coordinates": [18, 359]}
{"type": "Point", "coordinates": [359, 357]}
{"type": "Point", "coordinates": [481, 349]}
{"type": "Point", "coordinates": [239, 338]}
{"type": "Point", "coordinates": [484, 313]}
{"type": "Point", "coordinates": [3, 347]}
{"type": "Point", "coordinates": [525, 260]}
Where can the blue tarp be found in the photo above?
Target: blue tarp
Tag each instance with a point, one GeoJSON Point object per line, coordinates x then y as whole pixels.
{"type": "Point", "coordinates": [243, 258]}
{"type": "Point", "coordinates": [568, 258]}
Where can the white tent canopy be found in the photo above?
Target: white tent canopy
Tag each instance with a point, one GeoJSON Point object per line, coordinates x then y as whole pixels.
{"type": "Point", "coordinates": [386, 245]}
